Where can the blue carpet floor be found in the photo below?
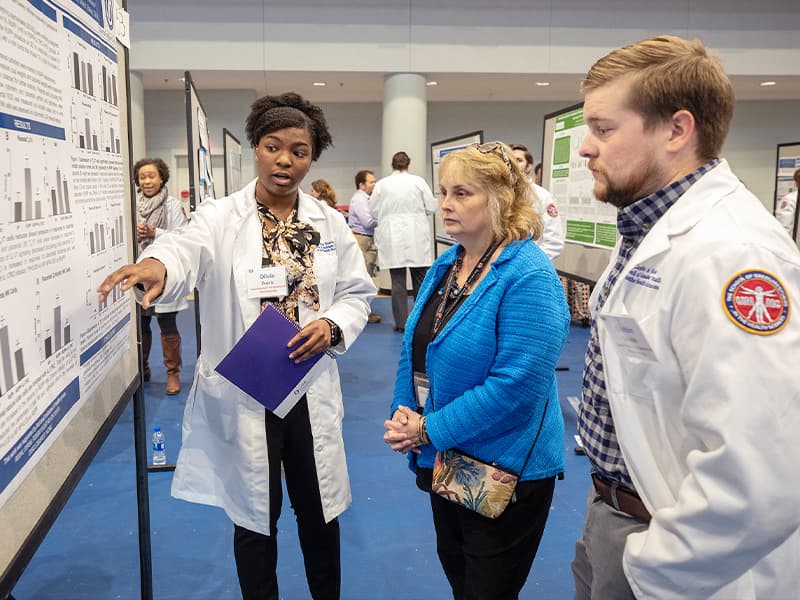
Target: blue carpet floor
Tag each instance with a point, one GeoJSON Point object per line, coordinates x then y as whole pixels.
{"type": "Point", "coordinates": [388, 542]}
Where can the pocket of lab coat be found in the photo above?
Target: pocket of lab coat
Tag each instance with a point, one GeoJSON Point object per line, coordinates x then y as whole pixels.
{"type": "Point", "coordinates": [326, 271]}
{"type": "Point", "coordinates": [638, 366]}
{"type": "Point", "coordinates": [215, 406]}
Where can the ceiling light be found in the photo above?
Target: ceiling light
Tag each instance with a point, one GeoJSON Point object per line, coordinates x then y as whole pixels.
{"type": "Point", "coordinates": [431, 83]}
{"type": "Point", "coordinates": [319, 84]}
{"type": "Point", "coordinates": [767, 83]}
{"type": "Point", "coordinates": [542, 83]}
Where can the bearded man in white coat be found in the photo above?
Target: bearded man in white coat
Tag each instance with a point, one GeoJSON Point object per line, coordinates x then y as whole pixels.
{"type": "Point", "coordinates": [402, 203]}
{"type": "Point", "coordinates": [689, 409]}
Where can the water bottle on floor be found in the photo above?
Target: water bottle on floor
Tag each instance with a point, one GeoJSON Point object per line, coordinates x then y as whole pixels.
{"type": "Point", "coordinates": [159, 449]}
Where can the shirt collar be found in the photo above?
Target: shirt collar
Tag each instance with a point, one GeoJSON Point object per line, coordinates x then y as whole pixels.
{"type": "Point", "coordinates": [635, 220]}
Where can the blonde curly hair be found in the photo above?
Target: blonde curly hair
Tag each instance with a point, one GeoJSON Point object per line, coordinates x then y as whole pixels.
{"type": "Point", "coordinates": [491, 167]}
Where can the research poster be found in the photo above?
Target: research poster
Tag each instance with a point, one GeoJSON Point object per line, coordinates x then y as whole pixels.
{"type": "Point", "coordinates": [586, 220]}
{"type": "Point", "coordinates": [438, 151]}
{"type": "Point", "coordinates": [62, 226]}
{"type": "Point", "coordinates": [232, 150]}
{"type": "Point", "coordinates": [787, 165]}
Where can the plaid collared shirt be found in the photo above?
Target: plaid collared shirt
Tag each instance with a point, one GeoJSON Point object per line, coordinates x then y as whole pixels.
{"type": "Point", "coordinates": [595, 424]}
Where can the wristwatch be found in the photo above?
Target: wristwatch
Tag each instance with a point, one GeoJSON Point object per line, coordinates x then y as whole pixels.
{"type": "Point", "coordinates": [336, 332]}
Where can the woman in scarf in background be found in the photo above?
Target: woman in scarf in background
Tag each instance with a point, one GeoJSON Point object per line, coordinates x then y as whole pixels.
{"type": "Point", "coordinates": [158, 212]}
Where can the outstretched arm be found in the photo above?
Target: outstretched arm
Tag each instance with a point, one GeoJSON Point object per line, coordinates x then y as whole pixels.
{"type": "Point", "coordinates": [149, 274]}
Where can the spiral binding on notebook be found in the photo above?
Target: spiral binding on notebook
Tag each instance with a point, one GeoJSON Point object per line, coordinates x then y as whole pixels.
{"type": "Point", "coordinates": [296, 325]}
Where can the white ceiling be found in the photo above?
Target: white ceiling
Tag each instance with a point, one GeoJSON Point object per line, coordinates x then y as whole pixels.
{"type": "Point", "coordinates": [751, 34]}
{"type": "Point", "coordinates": [452, 87]}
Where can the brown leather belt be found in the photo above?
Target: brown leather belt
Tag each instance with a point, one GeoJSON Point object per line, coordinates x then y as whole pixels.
{"type": "Point", "coordinates": [620, 498]}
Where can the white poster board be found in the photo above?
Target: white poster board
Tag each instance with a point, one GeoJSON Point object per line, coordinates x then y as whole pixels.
{"type": "Point", "coordinates": [587, 221]}
{"type": "Point", "coordinates": [438, 151]}
{"type": "Point", "coordinates": [201, 179]}
{"type": "Point", "coordinates": [67, 361]}
{"type": "Point", "coordinates": [590, 226]}
{"type": "Point", "coordinates": [232, 151]}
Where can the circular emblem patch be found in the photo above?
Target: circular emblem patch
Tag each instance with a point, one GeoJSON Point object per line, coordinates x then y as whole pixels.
{"type": "Point", "coordinates": [552, 210]}
{"type": "Point", "coordinates": [757, 302]}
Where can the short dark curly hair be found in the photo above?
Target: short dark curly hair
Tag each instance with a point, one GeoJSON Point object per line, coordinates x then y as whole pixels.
{"type": "Point", "coordinates": [272, 113]}
{"type": "Point", "coordinates": [163, 169]}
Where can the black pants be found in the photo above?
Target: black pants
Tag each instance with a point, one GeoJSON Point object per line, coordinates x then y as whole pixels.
{"type": "Point", "coordinates": [289, 441]}
{"type": "Point", "coordinates": [489, 559]}
{"type": "Point", "coordinates": [400, 293]}
{"type": "Point", "coordinates": [166, 322]}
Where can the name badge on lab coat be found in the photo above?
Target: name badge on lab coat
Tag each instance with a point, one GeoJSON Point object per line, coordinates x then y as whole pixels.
{"type": "Point", "coordinates": [267, 282]}
{"type": "Point", "coordinates": [628, 337]}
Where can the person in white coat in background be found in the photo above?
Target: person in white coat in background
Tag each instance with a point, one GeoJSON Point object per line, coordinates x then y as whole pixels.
{"type": "Point", "coordinates": [233, 448]}
{"type": "Point", "coordinates": [552, 238]}
{"type": "Point", "coordinates": [788, 205]}
{"type": "Point", "coordinates": [690, 408]}
{"type": "Point", "coordinates": [157, 212]}
{"type": "Point", "coordinates": [402, 203]}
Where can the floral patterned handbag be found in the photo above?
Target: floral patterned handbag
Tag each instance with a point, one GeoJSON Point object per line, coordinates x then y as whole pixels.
{"type": "Point", "coordinates": [484, 488]}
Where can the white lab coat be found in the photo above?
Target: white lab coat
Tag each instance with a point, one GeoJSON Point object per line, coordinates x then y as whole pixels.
{"type": "Point", "coordinates": [176, 217]}
{"type": "Point", "coordinates": [708, 429]}
{"type": "Point", "coordinates": [785, 211]}
{"type": "Point", "coordinates": [552, 239]}
{"type": "Point", "coordinates": [402, 204]}
{"type": "Point", "coordinates": [223, 457]}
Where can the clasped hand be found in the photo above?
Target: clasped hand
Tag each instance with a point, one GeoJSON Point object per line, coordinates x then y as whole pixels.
{"type": "Point", "coordinates": [145, 232]}
{"type": "Point", "coordinates": [402, 430]}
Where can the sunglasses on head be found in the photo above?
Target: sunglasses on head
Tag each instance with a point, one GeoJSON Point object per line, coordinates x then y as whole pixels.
{"type": "Point", "coordinates": [490, 148]}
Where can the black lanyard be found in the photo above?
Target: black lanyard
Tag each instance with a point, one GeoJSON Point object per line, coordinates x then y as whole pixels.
{"type": "Point", "coordinates": [451, 296]}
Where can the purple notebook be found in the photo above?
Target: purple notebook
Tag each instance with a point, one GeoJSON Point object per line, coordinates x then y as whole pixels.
{"type": "Point", "coordinates": [259, 363]}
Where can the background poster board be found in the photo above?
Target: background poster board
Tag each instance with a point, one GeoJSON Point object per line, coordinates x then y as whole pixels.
{"type": "Point", "coordinates": [438, 151]}
{"type": "Point", "coordinates": [786, 163]}
{"type": "Point", "coordinates": [201, 180]}
{"type": "Point", "coordinates": [68, 363]}
{"type": "Point", "coordinates": [590, 226]}
{"type": "Point", "coordinates": [232, 151]}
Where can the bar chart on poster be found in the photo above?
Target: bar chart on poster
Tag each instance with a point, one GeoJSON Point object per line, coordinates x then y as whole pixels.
{"type": "Point", "coordinates": [67, 360]}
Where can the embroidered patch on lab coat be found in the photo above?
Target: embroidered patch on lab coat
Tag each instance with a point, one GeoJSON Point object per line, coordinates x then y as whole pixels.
{"type": "Point", "coordinates": [329, 246]}
{"type": "Point", "coordinates": [552, 210]}
{"type": "Point", "coordinates": [756, 301]}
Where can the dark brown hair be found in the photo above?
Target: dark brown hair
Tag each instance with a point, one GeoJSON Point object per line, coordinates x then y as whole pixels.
{"type": "Point", "coordinates": [361, 177]}
{"type": "Point", "coordinates": [163, 169]}
{"type": "Point", "coordinates": [400, 161]}
{"type": "Point", "coordinates": [272, 113]}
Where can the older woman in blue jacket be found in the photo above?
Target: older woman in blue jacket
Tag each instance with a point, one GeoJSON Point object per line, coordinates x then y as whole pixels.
{"type": "Point", "coordinates": [477, 370]}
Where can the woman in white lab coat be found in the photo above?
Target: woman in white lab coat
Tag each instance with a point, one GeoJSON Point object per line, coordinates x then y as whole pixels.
{"type": "Point", "coordinates": [705, 401]}
{"type": "Point", "coordinates": [233, 448]}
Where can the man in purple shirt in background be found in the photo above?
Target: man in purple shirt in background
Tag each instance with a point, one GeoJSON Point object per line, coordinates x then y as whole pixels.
{"type": "Point", "coordinates": [363, 225]}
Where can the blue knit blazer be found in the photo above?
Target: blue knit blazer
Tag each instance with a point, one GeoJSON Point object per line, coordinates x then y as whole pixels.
{"type": "Point", "coordinates": [492, 367]}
